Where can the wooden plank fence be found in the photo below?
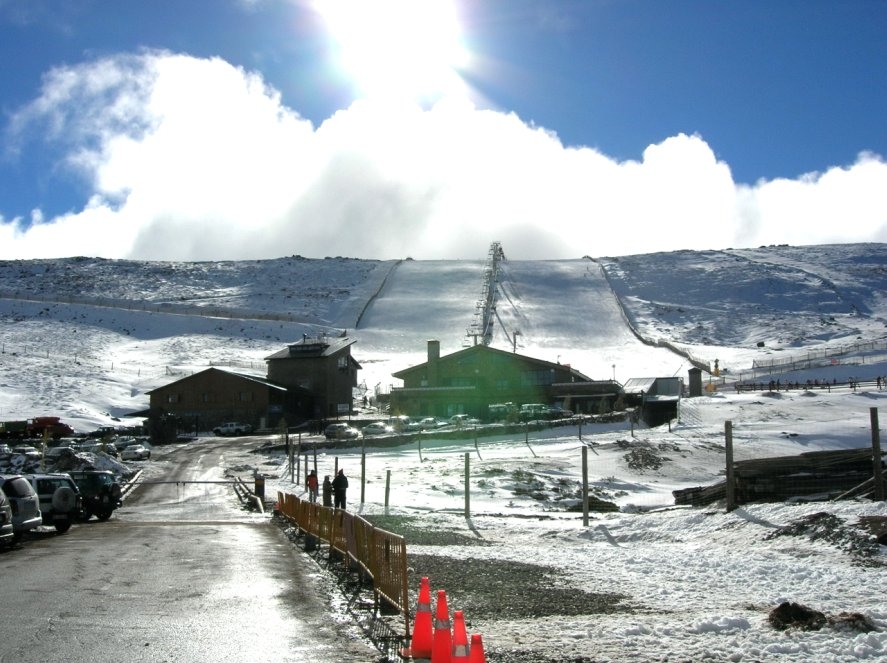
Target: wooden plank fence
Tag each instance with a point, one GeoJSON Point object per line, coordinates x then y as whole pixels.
{"type": "Point", "coordinates": [372, 552]}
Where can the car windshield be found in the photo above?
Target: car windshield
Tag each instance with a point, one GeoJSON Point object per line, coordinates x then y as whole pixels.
{"type": "Point", "coordinates": [95, 481]}
{"type": "Point", "coordinates": [49, 485]}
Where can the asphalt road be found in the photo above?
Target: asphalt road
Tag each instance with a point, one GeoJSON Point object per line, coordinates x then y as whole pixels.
{"type": "Point", "coordinates": [180, 573]}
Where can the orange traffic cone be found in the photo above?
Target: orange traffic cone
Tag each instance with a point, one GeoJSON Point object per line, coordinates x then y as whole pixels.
{"type": "Point", "coordinates": [443, 641]}
{"type": "Point", "coordinates": [420, 645]}
{"type": "Point", "coordinates": [460, 639]}
{"type": "Point", "coordinates": [477, 649]}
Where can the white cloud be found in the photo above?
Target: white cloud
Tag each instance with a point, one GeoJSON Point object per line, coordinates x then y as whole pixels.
{"type": "Point", "coordinates": [196, 159]}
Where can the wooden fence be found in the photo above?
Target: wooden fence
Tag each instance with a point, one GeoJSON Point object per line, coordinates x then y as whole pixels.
{"type": "Point", "coordinates": [375, 553]}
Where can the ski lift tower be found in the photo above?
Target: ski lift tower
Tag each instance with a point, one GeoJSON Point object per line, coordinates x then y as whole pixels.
{"type": "Point", "coordinates": [481, 327]}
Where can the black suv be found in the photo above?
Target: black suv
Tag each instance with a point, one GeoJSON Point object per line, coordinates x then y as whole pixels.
{"type": "Point", "coordinates": [60, 501]}
{"type": "Point", "coordinates": [100, 492]}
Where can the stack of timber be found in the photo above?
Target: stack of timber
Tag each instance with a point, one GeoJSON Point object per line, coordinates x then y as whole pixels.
{"type": "Point", "coordinates": [820, 473]}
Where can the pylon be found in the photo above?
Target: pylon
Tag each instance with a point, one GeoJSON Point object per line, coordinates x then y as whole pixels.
{"type": "Point", "coordinates": [460, 639]}
{"type": "Point", "coordinates": [420, 645]}
{"type": "Point", "coordinates": [443, 641]}
{"type": "Point", "coordinates": [477, 649]}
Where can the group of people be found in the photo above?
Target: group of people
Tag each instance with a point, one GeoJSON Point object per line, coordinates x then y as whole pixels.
{"type": "Point", "coordinates": [333, 491]}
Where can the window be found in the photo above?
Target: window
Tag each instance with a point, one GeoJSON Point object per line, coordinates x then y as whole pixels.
{"type": "Point", "coordinates": [246, 396]}
{"type": "Point", "coordinates": [172, 398]}
{"type": "Point", "coordinates": [530, 378]}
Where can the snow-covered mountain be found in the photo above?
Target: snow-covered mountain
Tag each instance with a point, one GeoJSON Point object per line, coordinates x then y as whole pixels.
{"type": "Point", "coordinates": [85, 338]}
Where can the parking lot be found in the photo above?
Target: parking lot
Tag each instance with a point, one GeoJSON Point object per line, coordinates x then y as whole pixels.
{"type": "Point", "coordinates": [180, 572]}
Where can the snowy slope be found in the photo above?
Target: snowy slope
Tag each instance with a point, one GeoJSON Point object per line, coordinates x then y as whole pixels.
{"type": "Point", "coordinates": [85, 339]}
{"type": "Point", "coordinates": [114, 329]}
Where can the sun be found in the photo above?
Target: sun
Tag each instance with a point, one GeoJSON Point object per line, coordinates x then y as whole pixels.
{"type": "Point", "coordinates": [403, 49]}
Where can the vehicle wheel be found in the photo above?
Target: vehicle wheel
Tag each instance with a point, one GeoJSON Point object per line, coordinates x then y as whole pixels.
{"type": "Point", "coordinates": [64, 499]}
{"type": "Point", "coordinates": [63, 526]}
{"type": "Point", "coordinates": [104, 515]}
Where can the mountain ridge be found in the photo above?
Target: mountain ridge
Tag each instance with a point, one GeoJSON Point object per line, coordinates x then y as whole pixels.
{"type": "Point", "coordinates": [125, 327]}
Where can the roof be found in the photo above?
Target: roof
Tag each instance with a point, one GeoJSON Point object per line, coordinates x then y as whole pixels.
{"type": "Point", "coordinates": [485, 348]}
{"type": "Point", "coordinates": [313, 346]}
{"type": "Point", "coordinates": [242, 376]}
{"type": "Point", "coordinates": [654, 388]}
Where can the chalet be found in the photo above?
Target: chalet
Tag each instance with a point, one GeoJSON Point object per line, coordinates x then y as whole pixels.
{"type": "Point", "coordinates": [308, 380]}
{"type": "Point", "coordinates": [213, 396]}
{"type": "Point", "coordinates": [321, 365]}
{"type": "Point", "coordinates": [472, 379]}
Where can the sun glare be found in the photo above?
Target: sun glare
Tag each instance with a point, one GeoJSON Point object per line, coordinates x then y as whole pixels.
{"type": "Point", "coordinates": [398, 48]}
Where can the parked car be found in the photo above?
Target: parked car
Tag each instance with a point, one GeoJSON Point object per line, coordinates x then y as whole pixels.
{"type": "Point", "coordinates": [60, 501]}
{"type": "Point", "coordinates": [341, 431]}
{"type": "Point", "coordinates": [533, 411]}
{"type": "Point", "coordinates": [4, 449]}
{"type": "Point", "coordinates": [135, 452]}
{"type": "Point", "coordinates": [559, 413]}
{"type": "Point", "coordinates": [104, 432]}
{"type": "Point", "coordinates": [463, 420]}
{"type": "Point", "coordinates": [54, 454]}
{"type": "Point", "coordinates": [7, 533]}
{"type": "Point", "coordinates": [25, 504]}
{"type": "Point", "coordinates": [426, 423]}
{"type": "Point", "coordinates": [399, 422]}
{"type": "Point", "coordinates": [232, 428]}
{"type": "Point", "coordinates": [26, 450]}
{"type": "Point", "coordinates": [100, 492]}
{"type": "Point", "coordinates": [377, 428]}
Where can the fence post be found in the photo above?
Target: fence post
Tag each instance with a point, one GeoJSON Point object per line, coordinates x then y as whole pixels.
{"type": "Point", "coordinates": [731, 488]}
{"type": "Point", "coordinates": [363, 472]}
{"type": "Point", "coordinates": [878, 475]}
{"type": "Point", "coordinates": [467, 491]}
{"type": "Point", "coordinates": [387, 486]}
{"type": "Point", "coordinates": [527, 438]}
{"type": "Point", "coordinates": [584, 486]}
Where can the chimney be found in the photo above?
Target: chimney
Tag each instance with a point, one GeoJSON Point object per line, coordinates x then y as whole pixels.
{"type": "Point", "coordinates": [433, 357]}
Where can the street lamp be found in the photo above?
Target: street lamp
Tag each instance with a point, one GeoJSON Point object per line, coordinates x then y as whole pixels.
{"type": "Point", "coordinates": [614, 372]}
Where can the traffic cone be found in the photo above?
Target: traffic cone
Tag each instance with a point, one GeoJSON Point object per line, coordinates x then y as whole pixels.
{"type": "Point", "coordinates": [420, 645]}
{"type": "Point", "coordinates": [443, 641]}
{"type": "Point", "coordinates": [477, 649]}
{"type": "Point", "coordinates": [460, 639]}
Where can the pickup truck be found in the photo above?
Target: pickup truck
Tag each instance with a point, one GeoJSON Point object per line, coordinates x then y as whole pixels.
{"type": "Point", "coordinates": [232, 428]}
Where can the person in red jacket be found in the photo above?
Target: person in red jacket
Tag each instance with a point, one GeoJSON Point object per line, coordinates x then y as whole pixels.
{"type": "Point", "coordinates": [311, 484]}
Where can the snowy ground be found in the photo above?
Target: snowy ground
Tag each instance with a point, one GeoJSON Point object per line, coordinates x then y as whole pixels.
{"type": "Point", "coordinates": [699, 582]}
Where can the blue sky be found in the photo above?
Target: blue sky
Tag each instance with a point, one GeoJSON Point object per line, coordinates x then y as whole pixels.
{"type": "Point", "coordinates": [739, 123]}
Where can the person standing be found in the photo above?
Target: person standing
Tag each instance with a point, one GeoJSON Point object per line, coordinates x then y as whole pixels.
{"type": "Point", "coordinates": [311, 484]}
{"type": "Point", "coordinates": [340, 485]}
{"type": "Point", "coordinates": [327, 491]}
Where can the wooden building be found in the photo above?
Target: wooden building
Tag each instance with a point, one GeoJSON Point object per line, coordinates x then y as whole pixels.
{"type": "Point", "coordinates": [320, 365]}
{"type": "Point", "coordinates": [311, 379]}
{"type": "Point", "coordinates": [213, 396]}
{"type": "Point", "coordinates": [472, 379]}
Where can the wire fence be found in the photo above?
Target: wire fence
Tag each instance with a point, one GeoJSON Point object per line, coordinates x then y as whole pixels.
{"type": "Point", "coordinates": [540, 470]}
